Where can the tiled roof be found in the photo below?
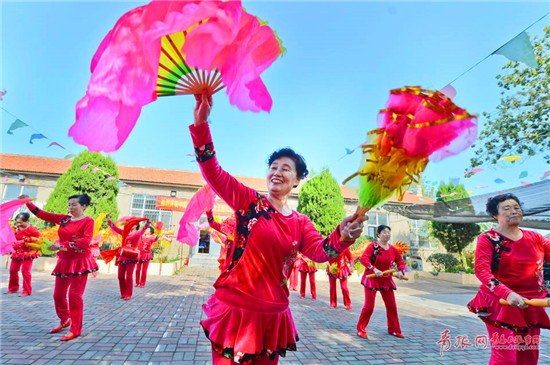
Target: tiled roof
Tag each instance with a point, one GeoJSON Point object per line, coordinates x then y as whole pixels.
{"type": "Point", "coordinates": [130, 174]}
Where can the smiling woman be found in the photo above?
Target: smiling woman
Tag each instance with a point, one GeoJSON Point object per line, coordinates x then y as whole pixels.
{"type": "Point", "coordinates": [248, 315]}
{"type": "Point", "coordinates": [509, 264]}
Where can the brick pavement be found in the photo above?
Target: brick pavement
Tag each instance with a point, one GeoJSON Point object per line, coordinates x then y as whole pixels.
{"type": "Point", "coordinates": [160, 325]}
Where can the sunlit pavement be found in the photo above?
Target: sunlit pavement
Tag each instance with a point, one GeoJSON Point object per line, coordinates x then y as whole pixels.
{"type": "Point", "coordinates": [160, 325]}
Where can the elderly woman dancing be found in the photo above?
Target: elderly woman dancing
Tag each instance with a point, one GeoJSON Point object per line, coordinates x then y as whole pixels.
{"type": "Point", "coordinates": [509, 265]}
{"type": "Point", "coordinates": [249, 319]}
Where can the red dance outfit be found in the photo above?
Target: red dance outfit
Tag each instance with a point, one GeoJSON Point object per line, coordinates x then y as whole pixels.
{"type": "Point", "coordinates": [293, 278]}
{"type": "Point", "coordinates": [73, 265]}
{"type": "Point", "coordinates": [377, 257]}
{"type": "Point", "coordinates": [145, 255]}
{"type": "Point", "coordinates": [305, 269]}
{"type": "Point", "coordinates": [344, 262]}
{"type": "Point", "coordinates": [127, 265]}
{"type": "Point", "coordinates": [224, 245]}
{"type": "Point", "coordinates": [21, 259]}
{"type": "Point", "coordinates": [504, 266]}
{"type": "Point", "coordinates": [248, 315]}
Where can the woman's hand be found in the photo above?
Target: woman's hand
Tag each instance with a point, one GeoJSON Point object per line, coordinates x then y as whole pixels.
{"type": "Point", "coordinates": [54, 247]}
{"type": "Point", "coordinates": [377, 272]}
{"type": "Point", "coordinates": [351, 227]}
{"type": "Point", "coordinates": [203, 108]}
{"type": "Point", "coordinates": [23, 196]}
{"type": "Point", "coordinates": [400, 275]}
{"type": "Point", "coordinates": [516, 300]}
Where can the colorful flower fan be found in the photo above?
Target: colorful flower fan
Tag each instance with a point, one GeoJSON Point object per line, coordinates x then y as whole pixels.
{"type": "Point", "coordinates": [172, 48]}
{"type": "Point", "coordinates": [417, 125]}
{"type": "Point", "coordinates": [402, 247]}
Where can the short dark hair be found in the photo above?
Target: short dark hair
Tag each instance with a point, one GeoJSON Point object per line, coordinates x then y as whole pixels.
{"type": "Point", "coordinates": [494, 201]}
{"type": "Point", "coordinates": [299, 161]}
{"type": "Point", "coordinates": [152, 229]}
{"type": "Point", "coordinates": [382, 227]}
{"type": "Point", "coordinates": [24, 216]}
{"type": "Point", "coordinates": [83, 199]}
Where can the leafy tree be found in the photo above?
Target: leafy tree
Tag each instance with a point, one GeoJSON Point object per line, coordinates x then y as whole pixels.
{"type": "Point", "coordinates": [322, 201]}
{"type": "Point", "coordinates": [78, 181]}
{"type": "Point", "coordinates": [520, 124]}
{"type": "Point", "coordinates": [453, 236]}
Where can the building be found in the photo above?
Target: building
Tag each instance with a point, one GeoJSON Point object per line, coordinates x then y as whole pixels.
{"type": "Point", "coordinates": [163, 194]}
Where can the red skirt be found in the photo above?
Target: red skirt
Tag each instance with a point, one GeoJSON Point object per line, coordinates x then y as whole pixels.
{"type": "Point", "coordinates": [344, 272]}
{"type": "Point", "coordinates": [304, 267]}
{"type": "Point", "coordinates": [74, 267]}
{"type": "Point", "coordinates": [145, 256]}
{"type": "Point", "coordinates": [245, 329]}
{"type": "Point", "coordinates": [487, 307]}
{"type": "Point", "coordinates": [379, 283]}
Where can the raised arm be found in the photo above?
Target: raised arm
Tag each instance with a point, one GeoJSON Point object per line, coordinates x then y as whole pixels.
{"type": "Point", "coordinates": [46, 216]}
{"type": "Point", "coordinates": [318, 248]}
{"type": "Point", "coordinates": [212, 223]}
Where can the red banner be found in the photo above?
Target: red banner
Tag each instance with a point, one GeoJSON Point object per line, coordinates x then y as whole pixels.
{"type": "Point", "coordinates": [179, 205]}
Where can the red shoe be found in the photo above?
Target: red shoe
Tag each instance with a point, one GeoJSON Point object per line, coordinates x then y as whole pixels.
{"type": "Point", "coordinates": [142, 285]}
{"type": "Point", "coordinates": [362, 334]}
{"type": "Point", "coordinates": [127, 297]}
{"type": "Point", "coordinates": [333, 305]}
{"type": "Point", "coordinates": [314, 298]}
{"type": "Point", "coordinates": [10, 291]}
{"type": "Point", "coordinates": [302, 295]}
{"type": "Point", "coordinates": [135, 286]}
{"type": "Point", "coordinates": [69, 337]}
{"type": "Point", "coordinates": [61, 326]}
{"type": "Point", "coordinates": [122, 297]}
{"type": "Point", "coordinates": [396, 334]}
{"type": "Point", "coordinates": [24, 294]}
{"type": "Point", "coordinates": [349, 307]}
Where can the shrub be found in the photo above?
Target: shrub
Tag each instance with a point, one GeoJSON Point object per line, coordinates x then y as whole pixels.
{"type": "Point", "coordinates": [443, 261]}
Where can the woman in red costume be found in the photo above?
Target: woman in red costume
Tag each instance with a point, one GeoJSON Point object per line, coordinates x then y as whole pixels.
{"type": "Point", "coordinates": [145, 255]}
{"type": "Point", "coordinates": [126, 265]}
{"type": "Point", "coordinates": [74, 261]}
{"type": "Point", "coordinates": [22, 258]}
{"type": "Point", "coordinates": [228, 230]}
{"type": "Point", "coordinates": [378, 257]}
{"type": "Point", "coordinates": [249, 319]}
{"type": "Point", "coordinates": [339, 268]}
{"type": "Point", "coordinates": [509, 264]}
{"type": "Point", "coordinates": [307, 267]}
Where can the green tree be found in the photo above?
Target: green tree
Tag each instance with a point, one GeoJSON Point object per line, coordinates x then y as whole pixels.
{"type": "Point", "coordinates": [322, 201]}
{"type": "Point", "coordinates": [453, 236]}
{"type": "Point", "coordinates": [520, 125]}
{"type": "Point", "coordinates": [78, 181]}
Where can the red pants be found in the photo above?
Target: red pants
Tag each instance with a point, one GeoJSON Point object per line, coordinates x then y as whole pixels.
{"type": "Point", "coordinates": [141, 273]}
{"type": "Point", "coordinates": [25, 267]}
{"type": "Point", "coordinates": [218, 359]}
{"type": "Point", "coordinates": [293, 279]}
{"type": "Point", "coordinates": [125, 274]}
{"type": "Point", "coordinates": [509, 353]}
{"type": "Point", "coordinates": [345, 291]}
{"type": "Point", "coordinates": [303, 276]}
{"type": "Point", "coordinates": [74, 309]}
{"type": "Point", "coordinates": [391, 310]}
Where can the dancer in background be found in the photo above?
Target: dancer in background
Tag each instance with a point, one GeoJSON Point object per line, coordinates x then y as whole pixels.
{"type": "Point", "coordinates": [228, 230]}
{"type": "Point", "coordinates": [145, 255]}
{"type": "Point", "coordinates": [74, 261]}
{"type": "Point", "coordinates": [22, 258]}
{"type": "Point", "coordinates": [306, 267]}
{"type": "Point", "coordinates": [249, 319]}
{"type": "Point", "coordinates": [509, 264]}
{"type": "Point", "coordinates": [378, 257]}
{"type": "Point", "coordinates": [339, 268]}
{"type": "Point", "coordinates": [128, 259]}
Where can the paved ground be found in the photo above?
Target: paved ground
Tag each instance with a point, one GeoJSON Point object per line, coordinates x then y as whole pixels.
{"type": "Point", "coordinates": [160, 325]}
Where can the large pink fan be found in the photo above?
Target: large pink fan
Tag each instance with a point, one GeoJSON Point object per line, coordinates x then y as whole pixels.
{"type": "Point", "coordinates": [172, 48]}
{"type": "Point", "coordinates": [7, 237]}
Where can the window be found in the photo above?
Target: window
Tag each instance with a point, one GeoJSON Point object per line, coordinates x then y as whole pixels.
{"type": "Point", "coordinates": [376, 219]}
{"type": "Point", "coordinates": [13, 191]}
{"type": "Point", "coordinates": [144, 206]}
{"type": "Point", "coordinates": [419, 233]}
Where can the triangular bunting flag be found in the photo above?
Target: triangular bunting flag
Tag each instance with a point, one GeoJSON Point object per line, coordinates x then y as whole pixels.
{"type": "Point", "coordinates": [17, 124]}
{"type": "Point", "coordinates": [519, 49]}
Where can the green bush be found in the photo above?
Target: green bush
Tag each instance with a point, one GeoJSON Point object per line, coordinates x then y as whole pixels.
{"type": "Point", "coordinates": [457, 269]}
{"type": "Point", "coordinates": [443, 261]}
{"type": "Point", "coordinates": [470, 257]}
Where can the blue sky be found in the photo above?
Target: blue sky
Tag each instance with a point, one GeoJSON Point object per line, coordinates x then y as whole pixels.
{"type": "Point", "coordinates": [342, 60]}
